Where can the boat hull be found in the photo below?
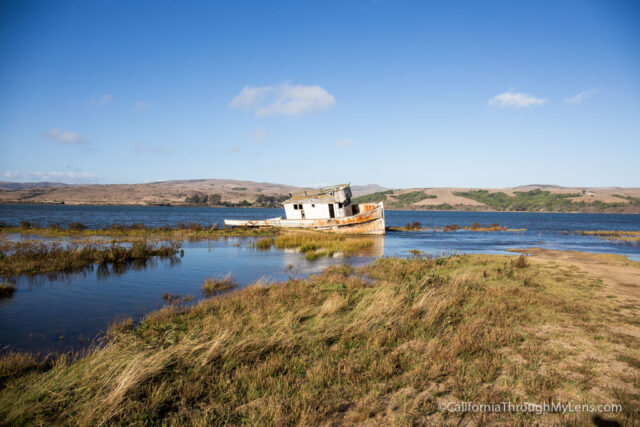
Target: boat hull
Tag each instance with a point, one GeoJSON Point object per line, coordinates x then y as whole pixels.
{"type": "Point", "coordinates": [369, 220]}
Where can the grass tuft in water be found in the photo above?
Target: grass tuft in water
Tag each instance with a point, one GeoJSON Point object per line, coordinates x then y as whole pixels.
{"type": "Point", "coordinates": [318, 244]}
{"type": "Point", "coordinates": [214, 286]}
{"type": "Point", "coordinates": [265, 243]}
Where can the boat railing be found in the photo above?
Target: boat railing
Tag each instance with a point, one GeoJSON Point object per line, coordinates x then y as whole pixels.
{"type": "Point", "coordinates": [318, 191]}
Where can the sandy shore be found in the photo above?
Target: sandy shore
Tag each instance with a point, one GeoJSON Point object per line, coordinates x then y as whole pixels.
{"type": "Point", "coordinates": [621, 275]}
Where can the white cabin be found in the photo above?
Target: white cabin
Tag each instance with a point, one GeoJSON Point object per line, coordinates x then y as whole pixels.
{"type": "Point", "coordinates": [322, 203]}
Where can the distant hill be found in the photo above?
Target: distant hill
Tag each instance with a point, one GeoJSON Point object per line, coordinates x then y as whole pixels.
{"type": "Point", "coordinates": [6, 185]}
{"type": "Point", "coordinates": [225, 192]}
{"type": "Point", "coordinates": [530, 198]}
{"type": "Point", "coordinates": [185, 192]}
{"type": "Point", "coordinates": [362, 190]}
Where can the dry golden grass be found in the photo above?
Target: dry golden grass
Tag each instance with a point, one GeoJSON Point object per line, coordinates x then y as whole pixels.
{"type": "Point", "coordinates": [264, 243]}
{"type": "Point", "coordinates": [213, 285]}
{"type": "Point", "coordinates": [34, 257]}
{"type": "Point", "coordinates": [136, 232]}
{"type": "Point", "coordinates": [416, 226]}
{"type": "Point", "coordinates": [382, 344]}
{"type": "Point", "coordinates": [617, 235]}
{"type": "Point", "coordinates": [316, 244]}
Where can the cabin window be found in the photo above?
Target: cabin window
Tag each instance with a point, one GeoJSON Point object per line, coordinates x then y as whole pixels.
{"type": "Point", "coordinates": [339, 205]}
{"type": "Point", "coordinates": [331, 212]}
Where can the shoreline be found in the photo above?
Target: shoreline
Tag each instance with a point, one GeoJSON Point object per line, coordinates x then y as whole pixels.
{"type": "Point", "coordinates": [258, 207]}
{"type": "Point", "coordinates": [581, 259]}
{"type": "Point", "coordinates": [336, 326]}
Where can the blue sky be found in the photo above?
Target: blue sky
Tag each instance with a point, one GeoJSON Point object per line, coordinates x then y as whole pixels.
{"type": "Point", "coordinates": [403, 94]}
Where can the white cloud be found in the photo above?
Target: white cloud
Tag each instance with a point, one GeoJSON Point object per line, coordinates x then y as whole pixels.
{"type": "Point", "coordinates": [516, 100]}
{"type": "Point", "coordinates": [251, 97]}
{"type": "Point", "coordinates": [66, 137]}
{"type": "Point", "coordinates": [142, 105]}
{"type": "Point", "coordinates": [101, 101]}
{"type": "Point", "coordinates": [66, 177]}
{"type": "Point", "coordinates": [580, 97]}
{"type": "Point", "coordinates": [283, 99]}
{"type": "Point", "coordinates": [259, 134]}
{"type": "Point", "coordinates": [345, 142]}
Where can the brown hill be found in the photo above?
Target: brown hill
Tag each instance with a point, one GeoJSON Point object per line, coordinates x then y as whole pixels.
{"type": "Point", "coordinates": [217, 192]}
{"type": "Point", "coordinates": [535, 198]}
{"type": "Point", "coordinates": [154, 193]}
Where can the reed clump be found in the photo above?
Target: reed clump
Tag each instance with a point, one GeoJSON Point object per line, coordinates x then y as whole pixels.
{"type": "Point", "coordinates": [318, 244]}
{"type": "Point", "coordinates": [521, 262]}
{"type": "Point", "coordinates": [627, 236]}
{"type": "Point", "coordinates": [414, 226]}
{"type": "Point", "coordinates": [382, 344]}
{"type": "Point", "coordinates": [480, 227]}
{"type": "Point", "coordinates": [214, 286]}
{"type": "Point", "coordinates": [33, 257]}
{"type": "Point", "coordinates": [265, 243]}
{"type": "Point", "coordinates": [417, 226]}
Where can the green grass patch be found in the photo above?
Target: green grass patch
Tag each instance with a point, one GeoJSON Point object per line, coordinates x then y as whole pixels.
{"type": "Point", "coordinates": [380, 196]}
{"type": "Point", "coordinates": [540, 200]}
{"type": "Point", "coordinates": [407, 199]}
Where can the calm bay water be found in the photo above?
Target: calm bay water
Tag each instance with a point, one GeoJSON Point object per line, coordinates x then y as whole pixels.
{"type": "Point", "coordinates": [59, 313]}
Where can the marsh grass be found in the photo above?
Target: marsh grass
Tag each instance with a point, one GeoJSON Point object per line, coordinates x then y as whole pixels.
{"type": "Point", "coordinates": [170, 298]}
{"type": "Point", "coordinates": [189, 231]}
{"type": "Point", "coordinates": [319, 244]}
{"type": "Point", "coordinates": [521, 262]}
{"type": "Point", "coordinates": [14, 364]}
{"type": "Point", "coordinates": [417, 226]}
{"type": "Point", "coordinates": [414, 226]}
{"type": "Point", "coordinates": [382, 344]}
{"type": "Point", "coordinates": [34, 257]}
{"type": "Point", "coordinates": [626, 236]}
{"type": "Point", "coordinates": [214, 286]}
{"type": "Point", "coordinates": [264, 243]}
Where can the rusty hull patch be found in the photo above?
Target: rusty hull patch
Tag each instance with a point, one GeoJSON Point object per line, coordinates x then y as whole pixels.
{"type": "Point", "coordinates": [369, 221]}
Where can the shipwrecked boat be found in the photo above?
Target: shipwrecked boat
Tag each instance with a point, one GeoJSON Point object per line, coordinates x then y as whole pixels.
{"type": "Point", "coordinates": [326, 209]}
